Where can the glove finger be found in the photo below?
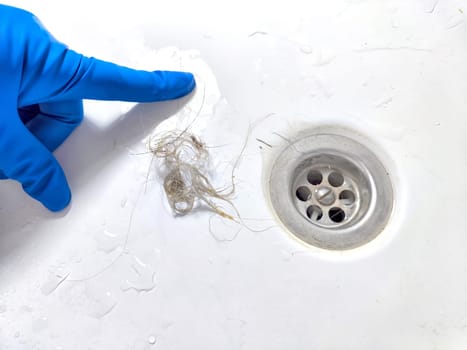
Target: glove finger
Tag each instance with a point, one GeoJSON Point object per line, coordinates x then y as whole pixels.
{"type": "Point", "coordinates": [25, 159]}
{"type": "Point", "coordinates": [100, 80]}
{"type": "Point", "coordinates": [52, 72]}
{"type": "Point", "coordinates": [55, 122]}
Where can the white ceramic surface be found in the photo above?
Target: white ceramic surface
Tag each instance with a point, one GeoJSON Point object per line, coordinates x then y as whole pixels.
{"type": "Point", "coordinates": [395, 71]}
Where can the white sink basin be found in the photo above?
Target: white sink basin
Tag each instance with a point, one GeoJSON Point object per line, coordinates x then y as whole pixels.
{"type": "Point", "coordinates": [119, 271]}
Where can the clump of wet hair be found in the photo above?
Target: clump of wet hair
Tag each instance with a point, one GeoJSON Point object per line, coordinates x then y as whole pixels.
{"type": "Point", "coordinates": [183, 162]}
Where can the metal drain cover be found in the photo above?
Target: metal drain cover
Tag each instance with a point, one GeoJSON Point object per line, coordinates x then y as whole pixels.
{"type": "Point", "coordinates": [331, 191]}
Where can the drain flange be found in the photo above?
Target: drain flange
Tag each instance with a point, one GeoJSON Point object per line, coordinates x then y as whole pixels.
{"type": "Point", "coordinates": [331, 191]}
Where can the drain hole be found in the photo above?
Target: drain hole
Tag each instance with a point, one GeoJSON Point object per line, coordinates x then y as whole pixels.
{"type": "Point", "coordinates": [315, 177]}
{"type": "Point", "coordinates": [303, 193]}
{"type": "Point", "coordinates": [336, 179]}
{"type": "Point", "coordinates": [336, 214]}
{"type": "Point", "coordinates": [334, 193]}
{"type": "Point", "coordinates": [347, 197]}
{"type": "Point", "coordinates": [314, 212]}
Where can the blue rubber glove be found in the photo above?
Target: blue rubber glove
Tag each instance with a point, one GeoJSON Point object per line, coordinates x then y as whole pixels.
{"type": "Point", "coordinates": [42, 85]}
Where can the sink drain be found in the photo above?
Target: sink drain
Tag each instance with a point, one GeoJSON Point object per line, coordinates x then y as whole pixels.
{"type": "Point", "coordinates": [331, 191]}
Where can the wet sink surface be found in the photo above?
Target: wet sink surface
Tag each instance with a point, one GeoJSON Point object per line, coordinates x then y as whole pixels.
{"type": "Point", "coordinates": [118, 271]}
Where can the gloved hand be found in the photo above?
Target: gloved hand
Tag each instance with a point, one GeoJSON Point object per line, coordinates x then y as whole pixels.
{"type": "Point", "coordinates": [42, 84]}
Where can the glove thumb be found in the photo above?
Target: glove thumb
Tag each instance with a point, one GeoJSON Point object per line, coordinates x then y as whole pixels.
{"type": "Point", "coordinates": [25, 159]}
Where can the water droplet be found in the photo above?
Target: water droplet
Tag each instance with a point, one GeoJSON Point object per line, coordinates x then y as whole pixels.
{"type": "Point", "coordinates": [40, 324]}
{"type": "Point", "coordinates": [100, 304]}
{"type": "Point", "coordinates": [54, 280]}
{"type": "Point", "coordinates": [152, 340]}
{"type": "Point", "coordinates": [384, 102]}
{"type": "Point", "coordinates": [157, 252]}
{"type": "Point", "coordinates": [123, 202]}
{"type": "Point", "coordinates": [17, 334]}
{"type": "Point", "coordinates": [306, 49]}
{"type": "Point", "coordinates": [107, 242]}
{"type": "Point", "coordinates": [167, 324]}
{"type": "Point", "coordinates": [26, 308]}
{"type": "Point", "coordinates": [437, 123]}
{"type": "Point", "coordinates": [144, 281]}
{"type": "Point", "coordinates": [2, 308]}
